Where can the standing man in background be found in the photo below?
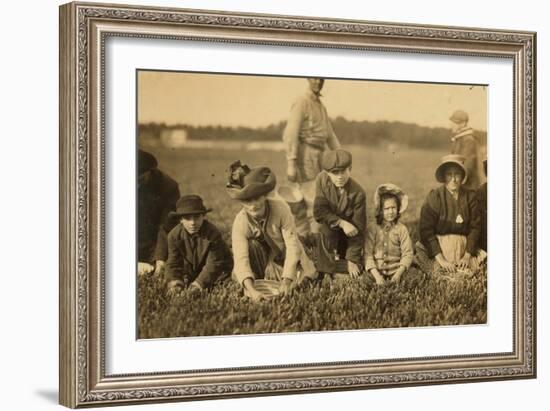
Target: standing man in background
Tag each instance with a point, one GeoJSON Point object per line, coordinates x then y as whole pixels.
{"type": "Point", "coordinates": [307, 135]}
{"type": "Point", "coordinates": [465, 144]}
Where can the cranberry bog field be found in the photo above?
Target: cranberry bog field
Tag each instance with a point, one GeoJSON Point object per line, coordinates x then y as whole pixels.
{"type": "Point", "coordinates": [419, 300]}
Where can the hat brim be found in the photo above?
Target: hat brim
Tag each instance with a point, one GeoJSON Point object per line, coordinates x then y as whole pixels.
{"type": "Point", "coordinates": [439, 172]}
{"type": "Point", "coordinates": [173, 214]}
{"type": "Point", "coordinates": [332, 170]}
{"type": "Point", "coordinates": [391, 189]}
{"type": "Point", "coordinates": [253, 190]}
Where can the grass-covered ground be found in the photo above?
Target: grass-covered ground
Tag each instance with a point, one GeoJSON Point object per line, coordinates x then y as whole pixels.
{"type": "Point", "coordinates": [329, 305]}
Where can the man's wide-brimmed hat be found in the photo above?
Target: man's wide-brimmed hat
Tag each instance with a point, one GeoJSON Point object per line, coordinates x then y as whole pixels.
{"type": "Point", "coordinates": [146, 161]}
{"type": "Point", "coordinates": [244, 183]}
{"type": "Point", "coordinates": [189, 205]}
{"type": "Point", "coordinates": [446, 161]}
{"type": "Point", "coordinates": [389, 188]}
{"type": "Point", "coordinates": [336, 160]}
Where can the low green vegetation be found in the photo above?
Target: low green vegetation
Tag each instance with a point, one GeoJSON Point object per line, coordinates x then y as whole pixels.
{"type": "Point", "coordinates": [330, 305]}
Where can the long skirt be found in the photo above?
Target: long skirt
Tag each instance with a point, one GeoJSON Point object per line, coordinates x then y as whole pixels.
{"type": "Point", "coordinates": [453, 248]}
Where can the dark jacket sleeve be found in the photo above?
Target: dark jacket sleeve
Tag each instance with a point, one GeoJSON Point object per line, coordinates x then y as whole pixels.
{"type": "Point", "coordinates": [429, 216]}
{"type": "Point", "coordinates": [322, 211]}
{"type": "Point", "coordinates": [356, 244]}
{"type": "Point", "coordinates": [360, 212]}
{"type": "Point", "coordinates": [469, 151]}
{"type": "Point", "coordinates": [218, 261]}
{"type": "Point", "coordinates": [174, 264]}
{"type": "Point", "coordinates": [171, 194]}
{"type": "Point", "coordinates": [475, 224]}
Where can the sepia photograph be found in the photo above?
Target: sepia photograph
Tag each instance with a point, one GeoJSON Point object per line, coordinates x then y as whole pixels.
{"type": "Point", "coordinates": [284, 204]}
{"type": "Point", "coordinates": [265, 204]}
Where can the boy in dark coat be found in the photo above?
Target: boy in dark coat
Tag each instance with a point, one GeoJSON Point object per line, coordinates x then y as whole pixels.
{"type": "Point", "coordinates": [197, 254]}
{"type": "Point", "coordinates": [340, 209]}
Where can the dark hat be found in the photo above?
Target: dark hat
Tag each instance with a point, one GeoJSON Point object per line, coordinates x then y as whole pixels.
{"type": "Point", "coordinates": [459, 116]}
{"type": "Point", "coordinates": [244, 183]}
{"type": "Point", "coordinates": [336, 160]}
{"type": "Point", "coordinates": [146, 161]}
{"type": "Point", "coordinates": [189, 205]}
{"type": "Point", "coordinates": [447, 160]}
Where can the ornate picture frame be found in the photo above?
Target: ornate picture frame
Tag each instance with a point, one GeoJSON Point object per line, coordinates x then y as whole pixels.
{"type": "Point", "coordinates": [84, 30]}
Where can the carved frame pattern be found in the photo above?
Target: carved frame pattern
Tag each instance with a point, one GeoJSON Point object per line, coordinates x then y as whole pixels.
{"type": "Point", "coordinates": [83, 383]}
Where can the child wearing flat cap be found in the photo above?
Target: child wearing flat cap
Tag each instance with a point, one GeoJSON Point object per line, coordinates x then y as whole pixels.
{"type": "Point", "coordinates": [340, 209]}
{"type": "Point", "coordinates": [197, 254]}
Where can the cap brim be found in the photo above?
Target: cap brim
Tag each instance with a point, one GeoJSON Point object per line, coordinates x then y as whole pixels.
{"type": "Point", "coordinates": [439, 171]}
{"type": "Point", "coordinates": [176, 214]}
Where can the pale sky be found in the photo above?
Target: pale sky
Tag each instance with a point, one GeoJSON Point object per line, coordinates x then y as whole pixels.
{"type": "Point", "coordinates": [200, 99]}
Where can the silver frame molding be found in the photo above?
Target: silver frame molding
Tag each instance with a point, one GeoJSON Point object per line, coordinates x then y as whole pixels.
{"type": "Point", "coordinates": [84, 28]}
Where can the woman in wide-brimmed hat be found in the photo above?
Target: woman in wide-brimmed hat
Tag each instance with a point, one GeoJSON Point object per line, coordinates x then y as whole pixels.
{"type": "Point", "coordinates": [197, 254]}
{"type": "Point", "coordinates": [449, 225]}
{"type": "Point", "coordinates": [264, 239]}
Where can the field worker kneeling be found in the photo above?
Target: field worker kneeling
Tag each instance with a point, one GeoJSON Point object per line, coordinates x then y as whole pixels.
{"type": "Point", "coordinates": [197, 254]}
{"type": "Point", "coordinates": [265, 243]}
{"type": "Point", "coordinates": [340, 209]}
{"type": "Point", "coordinates": [157, 196]}
{"type": "Point", "coordinates": [450, 224]}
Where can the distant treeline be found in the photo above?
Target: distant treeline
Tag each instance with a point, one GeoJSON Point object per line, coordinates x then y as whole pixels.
{"type": "Point", "coordinates": [377, 133]}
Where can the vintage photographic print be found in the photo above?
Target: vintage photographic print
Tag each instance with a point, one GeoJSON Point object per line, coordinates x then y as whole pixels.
{"type": "Point", "coordinates": [269, 204]}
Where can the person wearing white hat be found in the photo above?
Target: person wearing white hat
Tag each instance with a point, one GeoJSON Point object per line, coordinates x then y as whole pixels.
{"type": "Point", "coordinates": [449, 224]}
{"type": "Point", "coordinates": [389, 250]}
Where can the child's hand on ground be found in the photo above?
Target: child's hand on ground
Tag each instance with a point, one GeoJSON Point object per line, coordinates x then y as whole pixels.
{"type": "Point", "coordinates": [378, 277]}
{"type": "Point", "coordinates": [145, 268]}
{"type": "Point", "coordinates": [349, 229]}
{"type": "Point", "coordinates": [253, 293]}
{"type": "Point", "coordinates": [159, 267]}
{"type": "Point", "coordinates": [353, 269]}
{"type": "Point", "coordinates": [397, 276]}
{"type": "Point", "coordinates": [195, 287]}
{"type": "Point", "coordinates": [286, 286]}
{"type": "Point", "coordinates": [175, 288]}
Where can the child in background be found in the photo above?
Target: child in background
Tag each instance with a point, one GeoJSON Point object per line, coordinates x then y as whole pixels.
{"type": "Point", "coordinates": [389, 250]}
